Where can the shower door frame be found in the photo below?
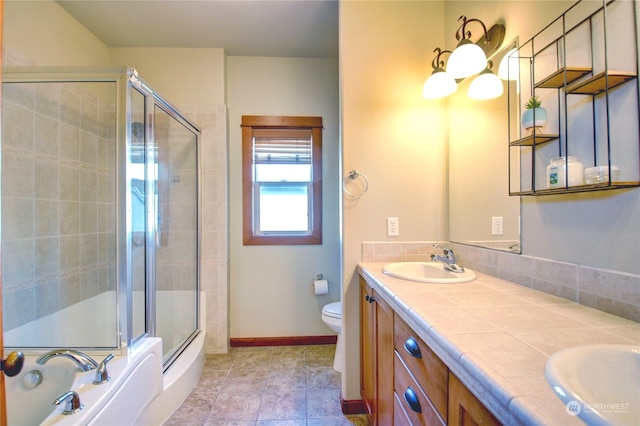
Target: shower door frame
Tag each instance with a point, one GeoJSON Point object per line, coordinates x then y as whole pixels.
{"type": "Point", "coordinates": [117, 75]}
{"type": "Point", "coordinates": [126, 79]}
{"type": "Point", "coordinates": [152, 99]}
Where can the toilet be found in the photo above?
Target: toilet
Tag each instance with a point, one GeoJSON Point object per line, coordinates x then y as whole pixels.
{"type": "Point", "coordinates": [332, 316]}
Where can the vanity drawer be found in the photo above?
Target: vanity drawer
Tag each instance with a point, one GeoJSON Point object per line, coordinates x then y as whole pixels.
{"type": "Point", "coordinates": [429, 371]}
{"type": "Point", "coordinates": [400, 417]}
{"type": "Point", "coordinates": [411, 398]}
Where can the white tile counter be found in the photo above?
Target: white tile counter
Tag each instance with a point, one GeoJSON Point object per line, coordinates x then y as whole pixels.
{"type": "Point", "coordinates": [496, 337]}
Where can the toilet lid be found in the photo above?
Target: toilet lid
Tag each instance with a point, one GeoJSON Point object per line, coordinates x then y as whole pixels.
{"type": "Point", "coordinates": [333, 310]}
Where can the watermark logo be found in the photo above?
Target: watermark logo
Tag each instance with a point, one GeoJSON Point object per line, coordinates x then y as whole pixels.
{"type": "Point", "coordinates": [573, 408]}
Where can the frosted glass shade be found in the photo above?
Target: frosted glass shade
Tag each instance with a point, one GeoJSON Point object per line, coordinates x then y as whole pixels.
{"type": "Point", "coordinates": [438, 85]}
{"type": "Point", "coordinates": [485, 86]}
{"type": "Point", "coordinates": [466, 60]}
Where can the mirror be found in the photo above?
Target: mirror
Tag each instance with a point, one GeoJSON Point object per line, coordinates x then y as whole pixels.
{"type": "Point", "coordinates": [479, 168]}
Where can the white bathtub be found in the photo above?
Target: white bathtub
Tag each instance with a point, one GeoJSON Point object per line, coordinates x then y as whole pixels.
{"type": "Point", "coordinates": [138, 392]}
{"type": "Point", "coordinates": [136, 379]}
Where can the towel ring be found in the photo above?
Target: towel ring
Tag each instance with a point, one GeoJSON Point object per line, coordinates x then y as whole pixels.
{"type": "Point", "coordinates": [353, 175]}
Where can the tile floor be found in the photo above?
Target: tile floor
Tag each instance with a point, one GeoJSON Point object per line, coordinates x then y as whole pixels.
{"type": "Point", "coordinates": [267, 386]}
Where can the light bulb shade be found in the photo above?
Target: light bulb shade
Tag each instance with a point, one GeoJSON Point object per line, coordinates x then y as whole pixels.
{"type": "Point", "coordinates": [485, 86]}
{"type": "Point", "coordinates": [438, 85]}
{"type": "Point", "coordinates": [509, 68]}
{"type": "Point", "coordinates": [466, 60]}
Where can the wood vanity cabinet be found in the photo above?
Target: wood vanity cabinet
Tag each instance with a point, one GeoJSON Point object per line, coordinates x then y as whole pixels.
{"type": "Point", "coordinates": [426, 392]}
{"type": "Point", "coordinates": [402, 381]}
{"type": "Point", "coordinates": [376, 356]}
{"type": "Point", "coordinates": [421, 378]}
{"type": "Point", "coordinates": [464, 407]}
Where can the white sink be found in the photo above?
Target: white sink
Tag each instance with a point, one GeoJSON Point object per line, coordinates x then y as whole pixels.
{"type": "Point", "coordinates": [427, 272]}
{"type": "Point", "coordinates": [598, 383]}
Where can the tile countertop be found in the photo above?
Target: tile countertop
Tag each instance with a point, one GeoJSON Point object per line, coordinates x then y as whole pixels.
{"type": "Point", "coordinates": [496, 336]}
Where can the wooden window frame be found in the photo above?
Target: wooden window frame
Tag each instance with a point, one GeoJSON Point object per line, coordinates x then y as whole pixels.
{"type": "Point", "coordinates": [248, 124]}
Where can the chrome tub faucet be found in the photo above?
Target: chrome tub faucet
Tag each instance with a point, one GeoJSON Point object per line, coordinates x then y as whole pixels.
{"type": "Point", "coordinates": [449, 259]}
{"type": "Point", "coordinates": [72, 402]}
{"type": "Point", "coordinates": [82, 360]}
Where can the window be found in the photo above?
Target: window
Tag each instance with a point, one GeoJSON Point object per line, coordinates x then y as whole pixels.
{"type": "Point", "coordinates": [282, 180]}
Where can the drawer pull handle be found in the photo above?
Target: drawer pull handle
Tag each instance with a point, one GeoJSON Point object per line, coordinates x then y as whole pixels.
{"type": "Point", "coordinates": [411, 346]}
{"type": "Point", "coordinates": [369, 299]}
{"type": "Point", "coordinates": [412, 399]}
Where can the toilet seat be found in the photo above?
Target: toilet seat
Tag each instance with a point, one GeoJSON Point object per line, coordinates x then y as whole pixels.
{"type": "Point", "coordinates": [333, 310]}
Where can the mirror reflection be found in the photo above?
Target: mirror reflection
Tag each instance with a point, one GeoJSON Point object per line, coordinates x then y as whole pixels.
{"type": "Point", "coordinates": [481, 212]}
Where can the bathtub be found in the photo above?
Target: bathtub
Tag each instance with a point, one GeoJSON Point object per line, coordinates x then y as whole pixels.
{"type": "Point", "coordinates": [33, 406]}
{"type": "Point", "coordinates": [139, 391]}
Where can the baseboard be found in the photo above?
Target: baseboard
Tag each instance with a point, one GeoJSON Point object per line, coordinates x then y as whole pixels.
{"type": "Point", "coordinates": [354, 406]}
{"type": "Point", "coordinates": [241, 342]}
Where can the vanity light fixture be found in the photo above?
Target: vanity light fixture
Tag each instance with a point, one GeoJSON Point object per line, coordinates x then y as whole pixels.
{"type": "Point", "coordinates": [486, 86]}
{"type": "Point", "coordinates": [469, 58]}
{"type": "Point", "coordinates": [440, 83]}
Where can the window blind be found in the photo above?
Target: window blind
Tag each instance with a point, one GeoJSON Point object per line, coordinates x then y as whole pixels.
{"type": "Point", "coordinates": [282, 146]}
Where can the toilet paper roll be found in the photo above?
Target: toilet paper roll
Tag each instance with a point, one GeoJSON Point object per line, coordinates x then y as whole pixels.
{"type": "Point", "coordinates": [321, 287]}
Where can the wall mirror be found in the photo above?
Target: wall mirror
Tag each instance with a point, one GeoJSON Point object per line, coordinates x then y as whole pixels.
{"type": "Point", "coordinates": [478, 168]}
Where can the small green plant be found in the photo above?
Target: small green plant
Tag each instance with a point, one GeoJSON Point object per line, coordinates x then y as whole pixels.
{"type": "Point", "coordinates": [534, 102]}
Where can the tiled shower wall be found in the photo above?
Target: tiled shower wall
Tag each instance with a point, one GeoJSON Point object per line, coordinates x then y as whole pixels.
{"type": "Point", "coordinates": [58, 209]}
{"type": "Point", "coordinates": [609, 291]}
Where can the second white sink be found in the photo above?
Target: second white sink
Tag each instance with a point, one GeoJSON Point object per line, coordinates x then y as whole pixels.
{"type": "Point", "coordinates": [598, 383]}
{"type": "Point", "coordinates": [427, 272]}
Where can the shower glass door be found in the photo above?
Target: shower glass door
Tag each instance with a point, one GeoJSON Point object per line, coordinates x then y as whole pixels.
{"type": "Point", "coordinates": [58, 210]}
{"type": "Point", "coordinates": [176, 240]}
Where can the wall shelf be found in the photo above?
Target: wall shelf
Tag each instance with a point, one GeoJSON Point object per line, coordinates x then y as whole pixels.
{"type": "Point", "coordinates": [603, 186]}
{"type": "Point", "coordinates": [557, 79]}
{"type": "Point", "coordinates": [577, 54]}
{"type": "Point", "coordinates": [598, 83]}
{"type": "Point", "coordinates": [535, 139]}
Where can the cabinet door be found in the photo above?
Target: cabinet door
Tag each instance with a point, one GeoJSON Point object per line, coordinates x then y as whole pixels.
{"type": "Point", "coordinates": [385, 356]}
{"type": "Point", "coordinates": [367, 350]}
{"type": "Point", "coordinates": [464, 408]}
{"type": "Point", "coordinates": [376, 356]}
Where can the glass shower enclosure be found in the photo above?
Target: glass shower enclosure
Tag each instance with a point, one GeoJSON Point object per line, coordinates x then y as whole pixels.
{"type": "Point", "coordinates": [100, 220]}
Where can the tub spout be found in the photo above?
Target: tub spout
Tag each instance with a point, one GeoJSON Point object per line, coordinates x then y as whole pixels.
{"type": "Point", "coordinates": [72, 405]}
{"type": "Point", "coordinates": [82, 360]}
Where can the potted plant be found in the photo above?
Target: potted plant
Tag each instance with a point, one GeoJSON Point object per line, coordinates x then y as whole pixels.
{"type": "Point", "coordinates": [534, 115]}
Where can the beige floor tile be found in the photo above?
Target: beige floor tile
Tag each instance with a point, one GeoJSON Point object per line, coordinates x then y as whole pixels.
{"type": "Point", "coordinates": [267, 386]}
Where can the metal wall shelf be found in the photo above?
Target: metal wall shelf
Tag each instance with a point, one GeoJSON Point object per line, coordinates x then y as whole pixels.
{"type": "Point", "coordinates": [557, 79]}
{"type": "Point", "coordinates": [573, 54]}
{"type": "Point", "coordinates": [579, 188]}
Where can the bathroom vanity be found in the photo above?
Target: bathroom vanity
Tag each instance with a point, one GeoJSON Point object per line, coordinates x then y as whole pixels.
{"type": "Point", "coordinates": [469, 353]}
{"type": "Point", "coordinates": [403, 381]}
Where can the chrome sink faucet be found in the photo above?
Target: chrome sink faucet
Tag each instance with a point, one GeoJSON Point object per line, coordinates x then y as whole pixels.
{"type": "Point", "coordinates": [82, 360]}
{"type": "Point", "coordinates": [449, 259]}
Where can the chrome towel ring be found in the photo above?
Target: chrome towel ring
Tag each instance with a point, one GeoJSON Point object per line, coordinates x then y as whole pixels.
{"type": "Point", "coordinates": [352, 176]}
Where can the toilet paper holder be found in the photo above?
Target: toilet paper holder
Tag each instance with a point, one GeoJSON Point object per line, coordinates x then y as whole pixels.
{"type": "Point", "coordinates": [319, 277]}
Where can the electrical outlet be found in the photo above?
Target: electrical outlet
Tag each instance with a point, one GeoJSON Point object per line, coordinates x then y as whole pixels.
{"type": "Point", "coordinates": [497, 225]}
{"type": "Point", "coordinates": [393, 227]}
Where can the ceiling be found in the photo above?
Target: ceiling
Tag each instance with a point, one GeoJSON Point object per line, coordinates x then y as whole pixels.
{"type": "Point", "coordinates": [284, 28]}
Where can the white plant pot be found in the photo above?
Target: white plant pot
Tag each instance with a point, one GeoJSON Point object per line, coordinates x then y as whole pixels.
{"type": "Point", "coordinates": [535, 117]}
